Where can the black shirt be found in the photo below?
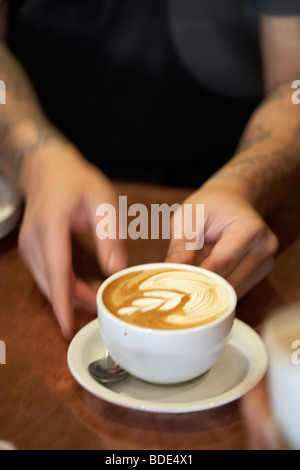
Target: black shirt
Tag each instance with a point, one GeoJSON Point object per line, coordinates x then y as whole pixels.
{"type": "Point", "coordinates": [156, 90]}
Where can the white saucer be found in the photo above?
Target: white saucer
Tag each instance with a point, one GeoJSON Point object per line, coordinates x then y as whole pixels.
{"type": "Point", "coordinates": [239, 369]}
{"type": "Point", "coordinates": [10, 203]}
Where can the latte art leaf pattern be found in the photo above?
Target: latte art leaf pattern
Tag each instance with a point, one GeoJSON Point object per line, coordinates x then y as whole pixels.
{"type": "Point", "coordinates": [167, 298]}
{"type": "Point", "coordinates": [160, 300]}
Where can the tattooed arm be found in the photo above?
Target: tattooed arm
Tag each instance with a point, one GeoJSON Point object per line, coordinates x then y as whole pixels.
{"type": "Point", "coordinates": [266, 166]}
{"type": "Point", "coordinates": [24, 128]}
{"type": "Point", "coordinates": [267, 162]}
{"type": "Point", "coordinates": [61, 190]}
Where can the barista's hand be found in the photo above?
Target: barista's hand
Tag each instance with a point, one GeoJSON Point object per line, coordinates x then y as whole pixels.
{"type": "Point", "coordinates": [62, 193]}
{"type": "Point", "coordinates": [238, 244]}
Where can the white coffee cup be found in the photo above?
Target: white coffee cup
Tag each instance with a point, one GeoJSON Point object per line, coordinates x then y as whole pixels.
{"type": "Point", "coordinates": [281, 334]}
{"type": "Point", "coordinates": [166, 356]}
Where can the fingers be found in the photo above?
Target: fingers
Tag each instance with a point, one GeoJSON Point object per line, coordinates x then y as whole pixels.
{"type": "Point", "coordinates": [242, 251]}
{"type": "Point", "coordinates": [249, 274]}
{"type": "Point", "coordinates": [112, 255]}
{"type": "Point", "coordinates": [179, 251]}
{"type": "Point", "coordinates": [47, 253]}
{"type": "Point", "coordinates": [60, 203]}
{"type": "Point", "coordinates": [104, 223]}
{"type": "Point", "coordinates": [56, 247]}
{"type": "Point", "coordinates": [243, 254]}
{"type": "Point", "coordinates": [83, 295]}
{"type": "Point", "coordinates": [45, 246]}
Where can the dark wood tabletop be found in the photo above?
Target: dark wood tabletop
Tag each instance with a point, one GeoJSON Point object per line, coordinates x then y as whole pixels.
{"type": "Point", "coordinates": [41, 405]}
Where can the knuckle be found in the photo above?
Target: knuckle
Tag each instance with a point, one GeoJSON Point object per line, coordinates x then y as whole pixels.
{"type": "Point", "coordinates": [266, 239]}
{"type": "Point", "coordinates": [260, 229]}
{"type": "Point", "coordinates": [263, 232]}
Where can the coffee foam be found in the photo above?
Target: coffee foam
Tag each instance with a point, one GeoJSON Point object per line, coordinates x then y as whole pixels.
{"type": "Point", "coordinates": [166, 299]}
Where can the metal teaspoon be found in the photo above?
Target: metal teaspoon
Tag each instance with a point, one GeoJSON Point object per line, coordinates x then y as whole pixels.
{"type": "Point", "coordinates": [106, 370]}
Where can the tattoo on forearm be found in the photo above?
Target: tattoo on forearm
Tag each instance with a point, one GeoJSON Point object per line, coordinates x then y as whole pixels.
{"type": "Point", "coordinates": [268, 165]}
{"type": "Point", "coordinates": [21, 107]}
{"type": "Point", "coordinates": [13, 156]}
{"type": "Point", "coordinates": [257, 134]}
{"type": "Point", "coordinates": [268, 176]}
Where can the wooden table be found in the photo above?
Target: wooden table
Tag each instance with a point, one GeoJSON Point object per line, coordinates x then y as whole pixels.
{"type": "Point", "coordinates": [43, 407]}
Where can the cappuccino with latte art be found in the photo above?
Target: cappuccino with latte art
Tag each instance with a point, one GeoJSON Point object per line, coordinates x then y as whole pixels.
{"type": "Point", "coordinates": [166, 298]}
{"type": "Point", "coordinates": [166, 322]}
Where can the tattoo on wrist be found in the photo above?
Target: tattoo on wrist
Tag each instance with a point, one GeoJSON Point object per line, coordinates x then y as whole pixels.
{"type": "Point", "coordinates": [22, 108]}
{"type": "Point", "coordinates": [14, 156]}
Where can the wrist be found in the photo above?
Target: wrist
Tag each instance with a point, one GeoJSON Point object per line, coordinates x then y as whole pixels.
{"type": "Point", "coordinates": [251, 174]}
{"type": "Point", "coordinates": [36, 152]}
{"type": "Point", "coordinates": [230, 185]}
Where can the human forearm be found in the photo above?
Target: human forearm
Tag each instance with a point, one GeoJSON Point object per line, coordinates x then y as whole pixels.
{"type": "Point", "coordinates": [24, 128]}
{"type": "Point", "coordinates": [266, 165]}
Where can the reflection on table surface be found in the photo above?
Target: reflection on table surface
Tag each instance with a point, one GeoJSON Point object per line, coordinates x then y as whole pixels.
{"type": "Point", "coordinates": [43, 407]}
